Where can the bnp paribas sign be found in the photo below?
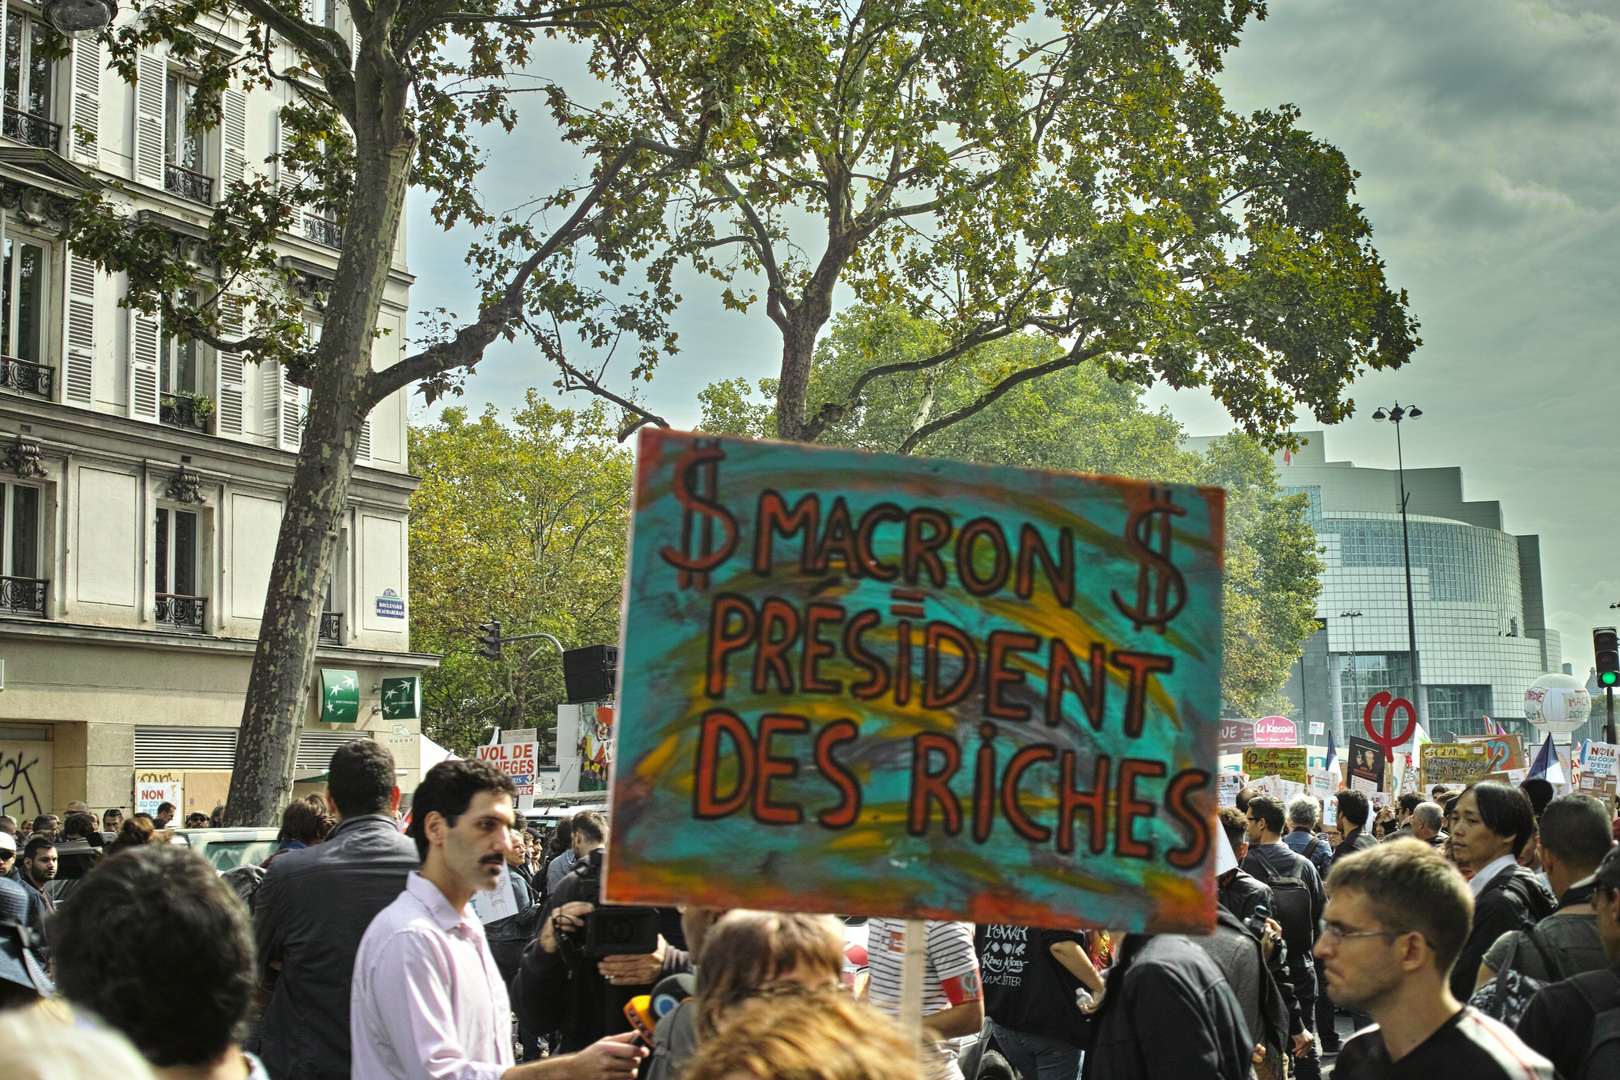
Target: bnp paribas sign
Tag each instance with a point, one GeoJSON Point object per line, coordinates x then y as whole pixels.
{"type": "Point", "coordinates": [340, 696]}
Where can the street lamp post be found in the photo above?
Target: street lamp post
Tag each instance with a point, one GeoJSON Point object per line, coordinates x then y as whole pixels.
{"type": "Point", "coordinates": [1396, 415]}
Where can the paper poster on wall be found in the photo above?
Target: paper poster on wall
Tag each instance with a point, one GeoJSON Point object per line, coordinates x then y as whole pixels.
{"type": "Point", "coordinates": [915, 687]}
{"type": "Point", "coordinates": [153, 788]}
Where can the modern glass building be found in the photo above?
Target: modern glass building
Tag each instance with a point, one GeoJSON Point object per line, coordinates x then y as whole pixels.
{"type": "Point", "coordinates": [1482, 636]}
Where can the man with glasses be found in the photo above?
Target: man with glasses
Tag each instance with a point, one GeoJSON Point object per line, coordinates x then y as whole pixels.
{"type": "Point", "coordinates": [1397, 916]}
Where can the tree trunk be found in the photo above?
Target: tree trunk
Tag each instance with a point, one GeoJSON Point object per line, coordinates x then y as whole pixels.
{"type": "Point", "coordinates": [278, 692]}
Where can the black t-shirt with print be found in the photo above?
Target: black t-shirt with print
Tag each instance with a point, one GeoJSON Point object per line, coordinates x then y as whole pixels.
{"type": "Point", "coordinates": [1025, 987]}
{"type": "Point", "coordinates": [1469, 1046]}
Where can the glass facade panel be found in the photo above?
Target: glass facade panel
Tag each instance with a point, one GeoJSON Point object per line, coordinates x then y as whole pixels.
{"type": "Point", "coordinates": [1365, 674]}
{"type": "Point", "coordinates": [1460, 710]}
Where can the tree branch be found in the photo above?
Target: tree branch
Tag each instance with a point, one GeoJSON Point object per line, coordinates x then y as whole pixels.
{"type": "Point", "coordinates": [585, 382]}
{"type": "Point", "coordinates": [1073, 358]}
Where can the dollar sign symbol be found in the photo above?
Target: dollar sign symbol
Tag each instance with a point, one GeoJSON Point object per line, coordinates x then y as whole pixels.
{"type": "Point", "coordinates": [697, 482]}
{"type": "Point", "coordinates": [1157, 578]}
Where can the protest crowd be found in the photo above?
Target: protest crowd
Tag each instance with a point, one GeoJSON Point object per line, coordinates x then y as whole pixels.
{"type": "Point", "coordinates": [1473, 932]}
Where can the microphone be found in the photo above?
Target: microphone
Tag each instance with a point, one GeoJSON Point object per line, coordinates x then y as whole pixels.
{"type": "Point", "coordinates": [638, 1010]}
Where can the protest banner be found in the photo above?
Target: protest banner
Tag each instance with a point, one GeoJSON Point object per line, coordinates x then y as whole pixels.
{"type": "Point", "coordinates": [1600, 759]}
{"type": "Point", "coordinates": [1598, 785]}
{"type": "Point", "coordinates": [1507, 751]}
{"type": "Point", "coordinates": [1366, 765]}
{"type": "Point", "coordinates": [1278, 788]}
{"type": "Point", "coordinates": [1287, 762]}
{"type": "Point", "coordinates": [154, 787]}
{"type": "Point", "coordinates": [900, 686]}
{"type": "Point", "coordinates": [1453, 763]}
{"type": "Point", "coordinates": [518, 760]}
{"type": "Point", "coordinates": [1227, 786]}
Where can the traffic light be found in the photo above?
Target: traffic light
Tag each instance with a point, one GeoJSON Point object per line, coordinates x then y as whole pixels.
{"type": "Point", "coordinates": [588, 672]}
{"type": "Point", "coordinates": [1606, 644]}
{"type": "Point", "coordinates": [491, 639]}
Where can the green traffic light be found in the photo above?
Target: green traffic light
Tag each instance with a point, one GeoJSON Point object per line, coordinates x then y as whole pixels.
{"type": "Point", "coordinates": [1609, 678]}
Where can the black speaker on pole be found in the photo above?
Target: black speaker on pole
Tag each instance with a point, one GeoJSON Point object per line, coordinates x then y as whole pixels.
{"type": "Point", "coordinates": [588, 672]}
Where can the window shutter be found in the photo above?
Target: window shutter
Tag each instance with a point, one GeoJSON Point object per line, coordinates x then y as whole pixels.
{"type": "Point", "coordinates": [232, 376]}
{"type": "Point", "coordinates": [289, 412]}
{"type": "Point", "coordinates": [150, 73]}
{"type": "Point", "coordinates": [79, 358]}
{"type": "Point", "coordinates": [363, 444]}
{"type": "Point", "coordinates": [84, 103]}
{"type": "Point", "coordinates": [233, 135]}
{"type": "Point", "coordinates": [287, 180]}
{"type": "Point", "coordinates": [145, 339]}
{"type": "Point", "coordinates": [354, 38]}
{"type": "Point", "coordinates": [270, 400]}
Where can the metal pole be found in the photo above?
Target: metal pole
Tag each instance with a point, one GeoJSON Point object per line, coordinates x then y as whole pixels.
{"type": "Point", "coordinates": [1411, 616]}
{"type": "Point", "coordinates": [1608, 729]}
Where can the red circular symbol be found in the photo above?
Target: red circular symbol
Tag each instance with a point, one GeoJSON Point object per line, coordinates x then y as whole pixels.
{"type": "Point", "coordinates": [1388, 740]}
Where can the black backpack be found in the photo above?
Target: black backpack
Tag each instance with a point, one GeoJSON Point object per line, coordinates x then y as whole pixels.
{"type": "Point", "coordinates": [1292, 900]}
{"type": "Point", "coordinates": [1603, 1050]}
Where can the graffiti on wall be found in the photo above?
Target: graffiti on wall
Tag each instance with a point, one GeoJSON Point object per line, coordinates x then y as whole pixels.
{"type": "Point", "coordinates": [25, 779]}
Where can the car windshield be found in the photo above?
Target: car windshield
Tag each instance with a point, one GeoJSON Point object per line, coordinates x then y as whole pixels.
{"type": "Point", "coordinates": [229, 854]}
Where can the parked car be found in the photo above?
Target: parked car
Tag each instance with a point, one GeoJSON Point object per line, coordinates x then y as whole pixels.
{"type": "Point", "coordinates": [227, 849]}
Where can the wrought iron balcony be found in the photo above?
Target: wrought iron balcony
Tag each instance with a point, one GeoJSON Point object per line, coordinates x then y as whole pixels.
{"type": "Point", "coordinates": [323, 230]}
{"type": "Point", "coordinates": [23, 596]}
{"type": "Point", "coordinates": [187, 184]}
{"type": "Point", "coordinates": [332, 627]}
{"type": "Point", "coordinates": [31, 129]}
{"type": "Point", "coordinates": [26, 377]}
{"type": "Point", "coordinates": [182, 613]}
{"type": "Point", "coordinates": [185, 411]}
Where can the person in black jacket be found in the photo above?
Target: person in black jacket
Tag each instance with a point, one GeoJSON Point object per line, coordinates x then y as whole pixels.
{"type": "Point", "coordinates": [1353, 813]}
{"type": "Point", "coordinates": [1167, 1011]}
{"type": "Point", "coordinates": [1493, 823]}
{"type": "Point", "coordinates": [557, 990]}
{"type": "Point", "coordinates": [313, 908]}
{"type": "Point", "coordinates": [1271, 861]}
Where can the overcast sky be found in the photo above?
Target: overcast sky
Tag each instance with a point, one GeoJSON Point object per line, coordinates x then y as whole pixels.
{"type": "Point", "coordinates": [1487, 133]}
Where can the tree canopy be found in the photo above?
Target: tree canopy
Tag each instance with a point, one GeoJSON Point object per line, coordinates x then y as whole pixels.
{"type": "Point", "coordinates": [523, 522]}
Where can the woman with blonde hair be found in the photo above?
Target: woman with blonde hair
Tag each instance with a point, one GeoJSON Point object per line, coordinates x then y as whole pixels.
{"type": "Point", "coordinates": [820, 1035]}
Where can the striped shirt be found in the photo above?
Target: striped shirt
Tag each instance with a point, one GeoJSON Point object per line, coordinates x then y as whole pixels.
{"type": "Point", "coordinates": [950, 978]}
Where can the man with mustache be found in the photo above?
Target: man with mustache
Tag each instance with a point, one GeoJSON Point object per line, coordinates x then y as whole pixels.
{"type": "Point", "coordinates": [427, 998]}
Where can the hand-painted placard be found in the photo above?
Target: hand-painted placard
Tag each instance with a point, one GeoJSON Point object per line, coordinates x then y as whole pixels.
{"type": "Point", "coordinates": [1287, 762]}
{"type": "Point", "coordinates": [1507, 751]}
{"type": "Point", "coordinates": [1453, 763]}
{"type": "Point", "coordinates": [519, 761]}
{"type": "Point", "coordinates": [897, 686]}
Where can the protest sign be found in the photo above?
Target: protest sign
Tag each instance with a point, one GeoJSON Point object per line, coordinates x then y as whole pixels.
{"type": "Point", "coordinates": [1228, 786]}
{"type": "Point", "coordinates": [1601, 786]}
{"type": "Point", "coordinates": [908, 687]}
{"type": "Point", "coordinates": [1366, 765]}
{"type": "Point", "coordinates": [1600, 759]}
{"type": "Point", "coordinates": [1287, 762]}
{"type": "Point", "coordinates": [496, 903]}
{"type": "Point", "coordinates": [517, 760]}
{"type": "Point", "coordinates": [1453, 763]}
{"type": "Point", "coordinates": [1278, 788]}
{"type": "Point", "coordinates": [1507, 751]}
{"type": "Point", "coordinates": [153, 788]}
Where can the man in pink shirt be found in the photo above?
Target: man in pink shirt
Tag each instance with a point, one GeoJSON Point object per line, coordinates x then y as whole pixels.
{"type": "Point", "coordinates": [427, 1001]}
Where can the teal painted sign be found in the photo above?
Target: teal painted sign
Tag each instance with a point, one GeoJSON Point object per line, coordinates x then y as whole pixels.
{"type": "Point", "coordinates": [340, 696]}
{"type": "Point", "coordinates": [889, 685]}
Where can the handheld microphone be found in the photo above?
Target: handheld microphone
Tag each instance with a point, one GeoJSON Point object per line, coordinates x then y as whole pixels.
{"type": "Point", "coordinates": [670, 992]}
{"type": "Point", "coordinates": [639, 1011]}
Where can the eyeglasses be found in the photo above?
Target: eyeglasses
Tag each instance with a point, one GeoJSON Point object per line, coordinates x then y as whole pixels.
{"type": "Point", "coordinates": [1340, 932]}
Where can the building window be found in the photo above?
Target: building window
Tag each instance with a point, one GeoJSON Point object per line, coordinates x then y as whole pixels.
{"type": "Point", "coordinates": [1460, 710]}
{"type": "Point", "coordinates": [30, 85]}
{"type": "Point", "coordinates": [1365, 674]}
{"type": "Point", "coordinates": [176, 572]}
{"type": "Point", "coordinates": [23, 303]}
{"type": "Point", "coordinates": [22, 588]}
{"type": "Point", "coordinates": [185, 148]}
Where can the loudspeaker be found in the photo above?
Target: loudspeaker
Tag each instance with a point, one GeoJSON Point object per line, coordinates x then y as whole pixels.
{"type": "Point", "coordinates": [588, 672]}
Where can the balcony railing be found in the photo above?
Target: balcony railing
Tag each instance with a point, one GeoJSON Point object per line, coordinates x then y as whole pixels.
{"type": "Point", "coordinates": [187, 184]}
{"type": "Point", "coordinates": [188, 411]}
{"type": "Point", "coordinates": [332, 627]}
{"type": "Point", "coordinates": [31, 129]}
{"type": "Point", "coordinates": [182, 613]}
{"type": "Point", "coordinates": [23, 596]}
{"type": "Point", "coordinates": [323, 230]}
{"type": "Point", "coordinates": [26, 377]}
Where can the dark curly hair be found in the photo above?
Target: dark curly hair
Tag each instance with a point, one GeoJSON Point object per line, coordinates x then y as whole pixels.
{"type": "Point", "coordinates": [155, 924]}
{"type": "Point", "coordinates": [449, 788]}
